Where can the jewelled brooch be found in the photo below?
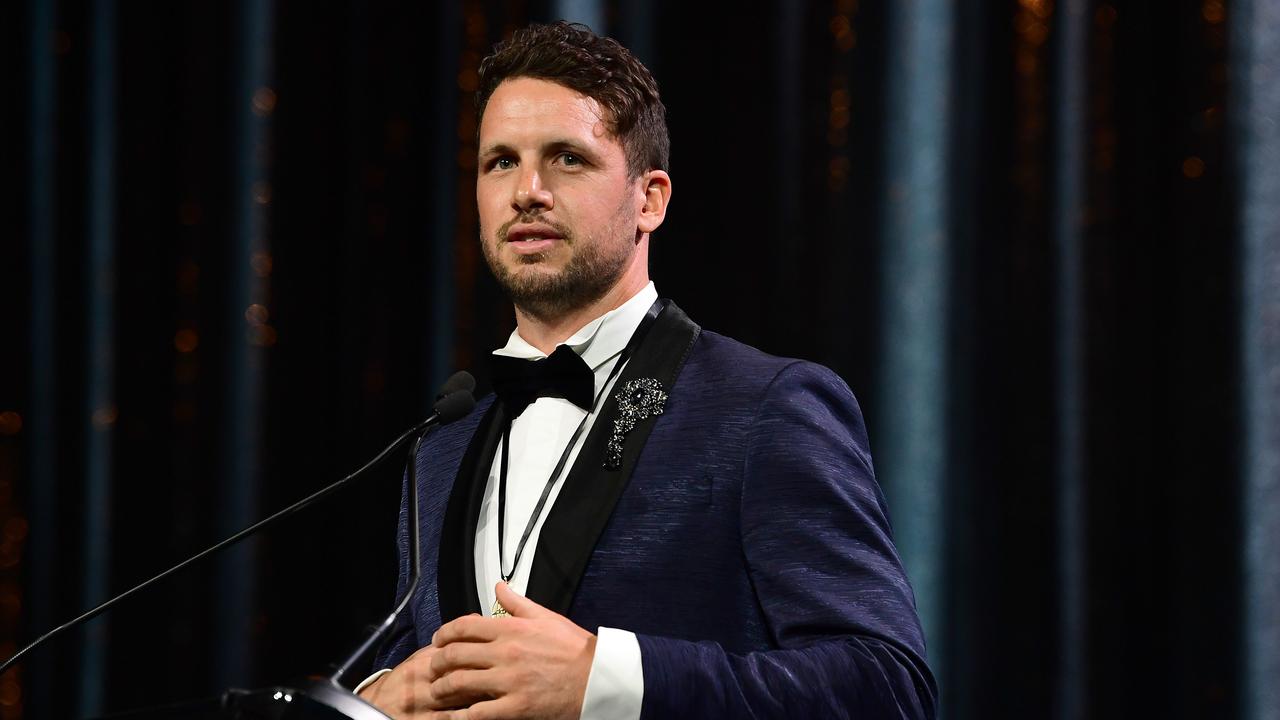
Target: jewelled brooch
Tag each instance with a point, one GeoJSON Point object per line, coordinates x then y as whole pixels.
{"type": "Point", "coordinates": [638, 400]}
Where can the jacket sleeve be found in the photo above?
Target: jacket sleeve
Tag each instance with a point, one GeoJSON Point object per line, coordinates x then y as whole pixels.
{"type": "Point", "coordinates": [402, 640]}
{"type": "Point", "coordinates": [820, 553]}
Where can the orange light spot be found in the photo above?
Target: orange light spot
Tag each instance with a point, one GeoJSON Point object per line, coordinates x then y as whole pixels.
{"type": "Point", "coordinates": [262, 335]}
{"type": "Point", "coordinates": [264, 101]}
{"type": "Point", "coordinates": [105, 417]}
{"type": "Point", "coordinates": [1105, 16]}
{"type": "Point", "coordinates": [256, 314]}
{"type": "Point", "coordinates": [261, 263]}
{"type": "Point", "coordinates": [10, 423]}
{"type": "Point", "coordinates": [186, 340]}
{"type": "Point", "coordinates": [10, 692]}
{"type": "Point", "coordinates": [1213, 12]}
{"type": "Point", "coordinates": [262, 192]}
{"type": "Point", "coordinates": [16, 529]}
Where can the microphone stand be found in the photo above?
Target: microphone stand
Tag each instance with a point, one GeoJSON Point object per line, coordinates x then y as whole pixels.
{"type": "Point", "coordinates": [326, 698]}
{"type": "Point", "coordinates": [329, 691]}
{"type": "Point", "coordinates": [454, 401]}
{"type": "Point", "coordinates": [95, 612]}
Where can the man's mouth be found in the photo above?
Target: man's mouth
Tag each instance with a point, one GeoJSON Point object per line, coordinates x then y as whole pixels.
{"type": "Point", "coordinates": [532, 238]}
{"type": "Point", "coordinates": [532, 233]}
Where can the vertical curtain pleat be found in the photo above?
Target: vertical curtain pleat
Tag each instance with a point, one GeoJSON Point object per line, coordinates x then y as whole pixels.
{"type": "Point", "coordinates": [635, 29]}
{"type": "Point", "coordinates": [913, 392]}
{"type": "Point", "coordinates": [99, 409]}
{"type": "Point", "coordinates": [1255, 35]}
{"type": "Point", "coordinates": [588, 12]}
{"type": "Point", "coordinates": [42, 556]}
{"type": "Point", "coordinates": [440, 229]}
{"type": "Point", "coordinates": [1069, 212]}
{"type": "Point", "coordinates": [246, 342]}
{"type": "Point", "coordinates": [784, 153]}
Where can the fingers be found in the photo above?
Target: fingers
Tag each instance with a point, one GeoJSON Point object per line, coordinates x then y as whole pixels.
{"type": "Point", "coordinates": [406, 690]}
{"type": "Point", "coordinates": [532, 664]}
{"type": "Point", "coordinates": [516, 604]}
{"type": "Point", "coordinates": [496, 709]}
{"type": "Point", "coordinates": [459, 714]}
{"type": "Point", "coordinates": [470, 628]}
{"type": "Point", "coordinates": [414, 699]}
{"type": "Point", "coordinates": [466, 687]}
{"type": "Point", "coordinates": [417, 667]}
{"type": "Point", "coordinates": [459, 656]}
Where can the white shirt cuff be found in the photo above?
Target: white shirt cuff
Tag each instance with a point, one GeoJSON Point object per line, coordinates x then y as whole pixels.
{"type": "Point", "coordinates": [367, 681]}
{"type": "Point", "coordinates": [615, 687]}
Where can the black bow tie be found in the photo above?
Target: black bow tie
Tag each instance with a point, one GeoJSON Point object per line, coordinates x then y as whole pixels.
{"type": "Point", "coordinates": [564, 374]}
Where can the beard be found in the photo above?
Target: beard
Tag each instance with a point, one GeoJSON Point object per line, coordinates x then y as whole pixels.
{"type": "Point", "coordinates": [595, 265]}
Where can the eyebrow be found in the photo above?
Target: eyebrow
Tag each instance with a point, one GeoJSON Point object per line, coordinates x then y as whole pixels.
{"type": "Point", "coordinates": [553, 144]}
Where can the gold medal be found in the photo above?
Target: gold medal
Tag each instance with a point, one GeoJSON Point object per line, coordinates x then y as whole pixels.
{"type": "Point", "coordinates": [498, 610]}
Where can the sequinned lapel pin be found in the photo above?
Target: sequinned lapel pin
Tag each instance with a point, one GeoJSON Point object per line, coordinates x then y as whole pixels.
{"type": "Point", "coordinates": [638, 400]}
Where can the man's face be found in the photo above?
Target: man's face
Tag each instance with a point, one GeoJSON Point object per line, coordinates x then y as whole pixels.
{"type": "Point", "coordinates": [558, 214]}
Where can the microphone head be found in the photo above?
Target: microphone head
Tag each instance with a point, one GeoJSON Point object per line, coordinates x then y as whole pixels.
{"type": "Point", "coordinates": [461, 380]}
{"type": "Point", "coordinates": [455, 405]}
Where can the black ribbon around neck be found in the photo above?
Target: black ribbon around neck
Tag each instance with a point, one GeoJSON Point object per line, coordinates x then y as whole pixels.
{"type": "Point", "coordinates": [591, 407]}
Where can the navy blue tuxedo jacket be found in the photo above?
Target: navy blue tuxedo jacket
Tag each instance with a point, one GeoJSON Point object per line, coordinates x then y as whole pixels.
{"type": "Point", "coordinates": [744, 539]}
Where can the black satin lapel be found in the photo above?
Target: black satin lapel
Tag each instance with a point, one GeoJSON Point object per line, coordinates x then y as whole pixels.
{"type": "Point", "coordinates": [456, 566]}
{"type": "Point", "coordinates": [586, 501]}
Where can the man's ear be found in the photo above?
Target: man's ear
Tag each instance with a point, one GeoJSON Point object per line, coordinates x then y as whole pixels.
{"type": "Point", "coordinates": [657, 194]}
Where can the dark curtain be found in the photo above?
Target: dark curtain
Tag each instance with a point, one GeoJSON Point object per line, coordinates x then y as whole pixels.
{"type": "Point", "coordinates": [1040, 240]}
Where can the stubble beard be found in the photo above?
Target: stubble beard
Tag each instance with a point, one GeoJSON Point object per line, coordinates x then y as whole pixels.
{"type": "Point", "coordinates": [594, 267]}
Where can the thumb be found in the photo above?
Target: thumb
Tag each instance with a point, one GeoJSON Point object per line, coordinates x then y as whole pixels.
{"type": "Point", "coordinates": [516, 604]}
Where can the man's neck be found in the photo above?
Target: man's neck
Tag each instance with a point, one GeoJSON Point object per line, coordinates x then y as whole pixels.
{"type": "Point", "coordinates": [545, 333]}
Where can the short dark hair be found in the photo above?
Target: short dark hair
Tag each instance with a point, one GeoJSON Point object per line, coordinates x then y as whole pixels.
{"type": "Point", "coordinates": [570, 54]}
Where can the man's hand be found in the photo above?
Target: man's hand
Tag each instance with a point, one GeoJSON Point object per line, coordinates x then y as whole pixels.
{"type": "Point", "coordinates": [405, 692]}
{"type": "Point", "coordinates": [531, 665]}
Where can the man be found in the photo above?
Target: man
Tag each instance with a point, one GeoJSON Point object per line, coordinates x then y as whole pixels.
{"type": "Point", "coordinates": [650, 520]}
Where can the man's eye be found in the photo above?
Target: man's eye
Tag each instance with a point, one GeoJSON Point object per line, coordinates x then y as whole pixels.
{"type": "Point", "coordinates": [504, 163]}
{"type": "Point", "coordinates": [570, 159]}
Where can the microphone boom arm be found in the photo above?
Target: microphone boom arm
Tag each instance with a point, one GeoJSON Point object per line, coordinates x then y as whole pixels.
{"type": "Point", "coordinates": [416, 570]}
{"type": "Point", "coordinates": [417, 430]}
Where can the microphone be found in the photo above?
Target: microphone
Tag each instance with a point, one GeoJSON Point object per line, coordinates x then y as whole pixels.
{"type": "Point", "coordinates": [461, 380]}
{"type": "Point", "coordinates": [454, 406]}
{"type": "Point", "coordinates": [453, 402]}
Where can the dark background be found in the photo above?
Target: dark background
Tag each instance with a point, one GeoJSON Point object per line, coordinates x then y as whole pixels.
{"type": "Point", "coordinates": [239, 255]}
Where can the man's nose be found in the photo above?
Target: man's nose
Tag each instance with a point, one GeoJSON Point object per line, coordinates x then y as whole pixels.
{"type": "Point", "coordinates": [531, 194]}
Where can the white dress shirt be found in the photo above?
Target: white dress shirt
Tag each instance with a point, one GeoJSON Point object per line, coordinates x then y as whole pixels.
{"type": "Point", "coordinates": [538, 438]}
{"type": "Point", "coordinates": [615, 687]}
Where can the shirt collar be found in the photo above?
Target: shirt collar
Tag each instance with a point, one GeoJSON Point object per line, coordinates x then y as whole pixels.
{"type": "Point", "coordinates": [597, 341]}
